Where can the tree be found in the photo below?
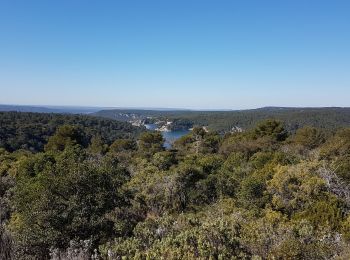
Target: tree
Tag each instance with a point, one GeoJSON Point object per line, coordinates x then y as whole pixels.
{"type": "Point", "coordinates": [151, 142]}
{"type": "Point", "coordinates": [309, 137]}
{"type": "Point", "coordinates": [65, 136]}
{"type": "Point", "coordinates": [252, 191]}
{"type": "Point", "coordinates": [65, 197]}
{"type": "Point", "coordinates": [122, 145]}
{"type": "Point", "coordinates": [270, 128]}
{"type": "Point", "coordinates": [164, 160]}
{"type": "Point", "coordinates": [338, 145]}
{"type": "Point", "coordinates": [97, 146]}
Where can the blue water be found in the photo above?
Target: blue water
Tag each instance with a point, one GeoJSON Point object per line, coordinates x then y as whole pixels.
{"type": "Point", "coordinates": [169, 137]}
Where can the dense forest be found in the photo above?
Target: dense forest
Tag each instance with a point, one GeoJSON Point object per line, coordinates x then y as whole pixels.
{"type": "Point", "coordinates": [78, 187]}
{"type": "Point", "coordinates": [31, 131]}
{"type": "Point", "coordinates": [224, 121]}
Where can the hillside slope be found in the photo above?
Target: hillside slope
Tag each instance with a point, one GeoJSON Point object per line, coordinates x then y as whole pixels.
{"type": "Point", "coordinates": [224, 121]}
{"type": "Point", "coordinates": [32, 130]}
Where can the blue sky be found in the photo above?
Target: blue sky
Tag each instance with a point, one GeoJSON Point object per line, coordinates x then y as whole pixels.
{"type": "Point", "coordinates": [175, 53]}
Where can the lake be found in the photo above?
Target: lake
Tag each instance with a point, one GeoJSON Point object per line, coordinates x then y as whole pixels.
{"type": "Point", "coordinates": [170, 136]}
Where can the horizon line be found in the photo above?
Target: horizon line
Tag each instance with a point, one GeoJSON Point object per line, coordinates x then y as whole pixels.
{"type": "Point", "coordinates": [162, 108]}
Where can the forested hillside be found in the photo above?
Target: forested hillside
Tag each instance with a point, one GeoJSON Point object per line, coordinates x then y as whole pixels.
{"type": "Point", "coordinates": [224, 121]}
{"type": "Point", "coordinates": [264, 193]}
{"type": "Point", "coordinates": [31, 131]}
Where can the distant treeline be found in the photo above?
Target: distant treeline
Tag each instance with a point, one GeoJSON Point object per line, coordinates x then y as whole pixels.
{"type": "Point", "coordinates": [31, 131]}
{"type": "Point", "coordinates": [224, 121]}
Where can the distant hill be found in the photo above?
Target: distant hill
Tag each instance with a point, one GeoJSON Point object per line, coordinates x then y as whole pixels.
{"type": "Point", "coordinates": [224, 121]}
{"type": "Point", "coordinates": [49, 109]}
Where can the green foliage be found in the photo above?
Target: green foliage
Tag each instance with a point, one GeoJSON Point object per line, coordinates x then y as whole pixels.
{"type": "Point", "coordinates": [122, 145]}
{"type": "Point", "coordinates": [31, 131]}
{"type": "Point", "coordinates": [309, 137]}
{"type": "Point", "coordinates": [63, 197]}
{"type": "Point", "coordinates": [323, 214]}
{"type": "Point", "coordinates": [342, 167]}
{"type": "Point", "coordinates": [164, 160]}
{"type": "Point", "coordinates": [337, 151]}
{"type": "Point", "coordinates": [241, 143]}
{"type": "Point", "coordinates": [150, 142]}
{"type": "Point", "coordinates": [253, 191]}
{"type": "Point", "coordinates": [199, 141]}
{"type": "Point", "coordinates": [97, 146]}
{"type": "Point", "coordinates": [270, 128]}
{"type": "Point", "coordinates": [338, 145]}
{"type": "Point", "coordinates": [274, 237]}
{"type": "Point", "coordinates": [65, 136]}
{"type": "Point", "coordinates": [212, 236]}
{"type": "Point", "coordinates": [254, 194]}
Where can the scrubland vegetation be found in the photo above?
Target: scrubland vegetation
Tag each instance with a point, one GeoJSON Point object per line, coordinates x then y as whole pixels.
{"type": "Point", "coordinates": [74, 187]}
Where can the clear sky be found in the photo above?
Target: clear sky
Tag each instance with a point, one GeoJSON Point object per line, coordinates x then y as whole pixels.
{"type": "Point", "coordinates": [175, 53]}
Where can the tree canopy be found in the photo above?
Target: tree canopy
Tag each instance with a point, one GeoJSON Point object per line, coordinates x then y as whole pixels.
{"type": "Point", "coordinates": [263, 193]}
